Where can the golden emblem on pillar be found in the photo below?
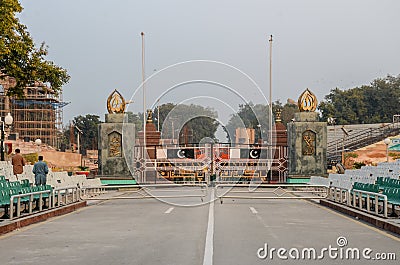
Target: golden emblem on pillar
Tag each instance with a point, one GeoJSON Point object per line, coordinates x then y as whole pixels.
{"type": "Point", "coordinates": [307, 101]}
{"type": "Point", "coordinates": [116, 103]}
{"type": "Point", "coordinates": [149, 116]}
{"type": "Point", "coordinates": [115, 145]}
{"type": "Point", "coordinates": [278, 115]}
{"type": "Point", "coordinates": [309, 143]}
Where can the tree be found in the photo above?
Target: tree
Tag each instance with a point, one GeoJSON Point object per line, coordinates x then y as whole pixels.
{"type": "Point", "coordinates": [89, 126]}
{"type": "Point", "coordinates": [257, 117]}
{"type": "Point", "coordinates": [288, 111]}
{"type": "Point", "coordinates": [137, 119]}
{"type": "Point", "coordinates": [374, 103]}
{"type": "Point", "coordinates": [190, 123]}
{"type": "Point", "coordinates": [164, 109]}
{"type": "Point", "coordinates": [20, 58]}
{"type": "Point", "coordinates": [249, 116]}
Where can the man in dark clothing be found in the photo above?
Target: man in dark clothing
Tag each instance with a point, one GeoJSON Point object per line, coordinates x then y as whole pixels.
{"type": "Point", "coordinates": [40, 170]}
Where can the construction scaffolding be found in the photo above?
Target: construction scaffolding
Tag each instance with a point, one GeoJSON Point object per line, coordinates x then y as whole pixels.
{"type": "Point", "coordinates": [38, 115]}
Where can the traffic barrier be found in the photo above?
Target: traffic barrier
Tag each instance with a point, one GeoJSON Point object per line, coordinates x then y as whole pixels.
{"type": "Point", "coordinates": [284, 191]}
{"type": "Point", "coordinates": [146, 191]}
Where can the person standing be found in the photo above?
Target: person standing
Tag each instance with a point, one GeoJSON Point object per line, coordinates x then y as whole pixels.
{"type": "Point", "coordinates": [18, 163]}
{"type": "Point", "coordinates": [40, 170]}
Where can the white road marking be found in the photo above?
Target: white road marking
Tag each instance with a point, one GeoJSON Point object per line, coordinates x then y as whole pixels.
{"type": "Point", "coordinates": [253, 210]}
{"type": "Point", "coordinates": [259, 218]}
{"type": "Point", "coordinates": [169, 210]}
{"type": "Point", "coordinates": [209, 247]}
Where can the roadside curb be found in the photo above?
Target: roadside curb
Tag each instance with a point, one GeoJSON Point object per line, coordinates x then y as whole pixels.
{"type": "Point", "coordinates": [8, 226]}
{"type": "Point", "coordinates": [378, 222]}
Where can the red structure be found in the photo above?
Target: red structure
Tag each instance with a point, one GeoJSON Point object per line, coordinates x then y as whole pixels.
{"type": "Point", "coordinates": [279, 137]}
{"type": "Point", "coordinates": [152, 137]}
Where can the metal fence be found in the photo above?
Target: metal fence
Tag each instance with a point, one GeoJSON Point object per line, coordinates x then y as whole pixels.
{"type": "Point", "coordinates": [370, 202]}
{"type": "Point", "coordinates": [150, 191]}
{"type": "Point", "coordinates": [258, 191]}
{"type": "Point", "coordinates": [57, 197]}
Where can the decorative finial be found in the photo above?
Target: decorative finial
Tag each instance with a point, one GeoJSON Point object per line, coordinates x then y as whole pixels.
{"type": "Point", "coordinates": [307, 101]}
{"type": "Point", "coordinates": [116, 103]}
{"type": "Point", "coordinates": [149, 116]}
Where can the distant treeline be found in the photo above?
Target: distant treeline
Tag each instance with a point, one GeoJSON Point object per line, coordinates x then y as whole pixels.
{"type": "Point", "coordinates": [374, 103]}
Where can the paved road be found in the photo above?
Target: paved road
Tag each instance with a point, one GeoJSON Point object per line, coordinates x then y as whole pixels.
{"type": "Point", "coordinates": [153, 232]}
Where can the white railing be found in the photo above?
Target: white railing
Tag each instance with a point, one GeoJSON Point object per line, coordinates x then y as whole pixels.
{"type": "Point", "coordinates": [284, 191]}
{"type": "Point", "coordinates": [66, 195]}
{"type": "Point", "coordinates": [31, 199]}
{"type": "Point", "coordinates": [146, 191]}
{"type": "Point", "coordinates": [359, 195]}
{"type": "Point", "coordinates": [360, 198]}
{"type": "Point", "coordinates": [339, 194]}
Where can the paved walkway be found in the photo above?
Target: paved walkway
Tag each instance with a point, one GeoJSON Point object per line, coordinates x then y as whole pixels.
{"type": "Point", "coordinates": [153, 232]}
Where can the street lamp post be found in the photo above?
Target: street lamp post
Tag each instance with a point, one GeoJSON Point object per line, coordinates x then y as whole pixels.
{"type": "Point", "coordinates": [6, 121]}
{"type": "Point", "coordinates": [78, 139]}
{"type": "Point", "coordinates": [332, 121]}
{"type": "Point", "coordinates": [387, 142]}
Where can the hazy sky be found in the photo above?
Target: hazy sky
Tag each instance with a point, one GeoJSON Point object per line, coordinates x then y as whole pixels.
{"type": "Point", "coordinates": [317, 44]}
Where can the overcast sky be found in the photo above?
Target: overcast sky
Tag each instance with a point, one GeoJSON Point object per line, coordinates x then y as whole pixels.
{"type": "Point", "coordinates": [317, 44]}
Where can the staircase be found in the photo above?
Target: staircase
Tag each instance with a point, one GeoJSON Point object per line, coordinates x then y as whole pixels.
{"type": "Point", "coordinates": [359, 139]}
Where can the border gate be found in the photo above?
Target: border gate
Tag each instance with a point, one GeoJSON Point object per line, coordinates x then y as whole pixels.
{"type": "Point", "coordinates": [219, 162]}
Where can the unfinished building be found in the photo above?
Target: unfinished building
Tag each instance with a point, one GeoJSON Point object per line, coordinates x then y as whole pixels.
{"type": "Point", "coordinates": [38, 115]}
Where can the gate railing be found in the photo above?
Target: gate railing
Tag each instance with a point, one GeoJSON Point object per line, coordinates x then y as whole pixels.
{"type": "Point", "coordinates": [284, 191]}
{"type": "Point", "coordinates": [148, 191]}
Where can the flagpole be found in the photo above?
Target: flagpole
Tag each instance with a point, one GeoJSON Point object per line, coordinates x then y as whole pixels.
{"type": "Point", "coordinates": [270, 104]}
{"type": "Point", "coordinates": [144, 98]}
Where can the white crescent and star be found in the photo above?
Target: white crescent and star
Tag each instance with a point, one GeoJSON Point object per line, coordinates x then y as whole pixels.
{"type": "Point", "coordinates": [181, 154]}
{"type": "Point", "coordinates": [254, 154]}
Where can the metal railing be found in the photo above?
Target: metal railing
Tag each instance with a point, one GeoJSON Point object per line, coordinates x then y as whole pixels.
{"type": "Point", "coordinates": [359, 195]}
{"type": "Point", "coordinates": [338, 194]}
{"type": "Point", "coordinates": [362, 138]}
{"type": "Point", "coordinates": [363, 200]}
{"type": "Point", "coordinates": [92, 190]}
{"type": "Point", "coordinates": [285, 191]}
{"type": "Point", "coordinates": [59, 194]}
{"type": "Point", "coordinates": [146, 191]}
{"type": "Point", "coordinates": [238, 178]}
{"type": "Point", "coordinates": [31, 199]}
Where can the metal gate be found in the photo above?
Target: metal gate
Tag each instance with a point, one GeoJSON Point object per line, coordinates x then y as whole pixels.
{"type": "Point", "coordinates": [146, 191]}
{"type": "Point", "coordinates": [267, 191]}
{"type": "Point", "coordinates": [222, 163]}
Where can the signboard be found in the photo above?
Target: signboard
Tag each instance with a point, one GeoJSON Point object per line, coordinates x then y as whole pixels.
{"type": "Point", "coordinates": [394, 144]}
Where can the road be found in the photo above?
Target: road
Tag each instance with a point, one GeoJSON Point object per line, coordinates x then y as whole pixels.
{"type": "Point", "coordinates": [150, 231]}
